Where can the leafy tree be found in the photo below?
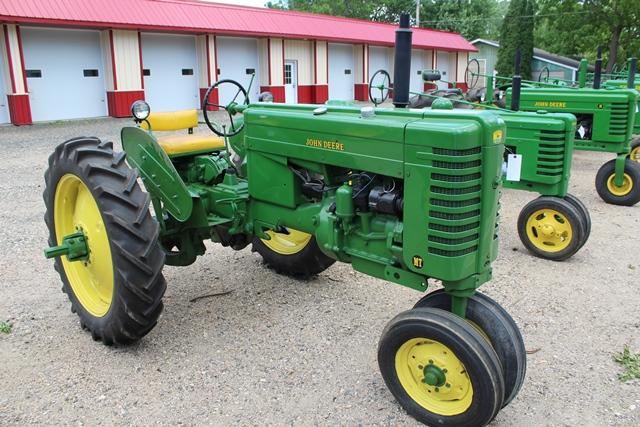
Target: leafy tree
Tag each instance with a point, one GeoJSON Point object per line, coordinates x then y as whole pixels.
{"type": "Point", "coordinates": [517, 33]}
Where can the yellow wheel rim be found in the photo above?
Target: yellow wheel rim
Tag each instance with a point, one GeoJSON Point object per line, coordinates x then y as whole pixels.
{"type": "Point", "coordinates": [549, 230]}
{"type": "Point", "coordinates": [635, 154]}
{"type": "Point", "coordinates": [624, 189]}
{"type": "Point", "coordinates": [74, 210]}
{"type": "Point", "coordinates": [451, 397]}
{"type": "Point", "coordinates": [287, 244]}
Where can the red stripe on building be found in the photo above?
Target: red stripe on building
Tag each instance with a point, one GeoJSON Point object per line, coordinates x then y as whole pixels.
{"type": "Point", "coordinates": [24, 73]}
{"type": "Point", "coordinates": [141, 64]}
{"type": "Point", "coordinates": [206, 38]}
{"type": "Point", "coordinates": [215, 56]}
{"type": "Point", "coordinates": [269, 59]}
{"type": "Point", "coordinates": [8, 46]}
{"type": "Point", "coordinates": [315, 62]}
{"type": "Point", "coordinates": [113, 60]}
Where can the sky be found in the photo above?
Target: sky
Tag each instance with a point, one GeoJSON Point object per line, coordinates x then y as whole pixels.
{"type": "Point", "coordinates": [254, 3]}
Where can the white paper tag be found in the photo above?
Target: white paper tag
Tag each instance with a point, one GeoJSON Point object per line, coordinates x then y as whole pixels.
{"type": "Point", "coordinates": [582, 131]}
{"type": "Point", "coordinates": [514, 167]}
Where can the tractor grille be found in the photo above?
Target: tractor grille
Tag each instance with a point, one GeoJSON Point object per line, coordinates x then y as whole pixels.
{"type": "Point", "coordinates": [551, 153]}
{"type": "Point", "coordinates": [454, 203]}
{"type": "Point", "coordinates": [619, 118]}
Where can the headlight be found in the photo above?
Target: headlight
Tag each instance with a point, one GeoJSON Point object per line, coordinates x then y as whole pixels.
{"type": "Point", "coordinates": [265, 97]}
{"type": "Point", "coordinates": [140, 110]}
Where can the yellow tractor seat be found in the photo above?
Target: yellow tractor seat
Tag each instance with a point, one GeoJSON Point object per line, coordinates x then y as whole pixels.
{"type": "Point", "coordinates": [177, 145]}
{"type": "Point", "coordinates": [190, 144]}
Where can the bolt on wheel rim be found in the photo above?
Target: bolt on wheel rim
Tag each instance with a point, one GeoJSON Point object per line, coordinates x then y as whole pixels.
{"type": "Point", "coordinates": [433, 377]}
{"type": "Point", "coordinates": [624, 189]}
{"type": "Point", "coordinates": [75, 209]}
{"type": "Point", "coordinates": [635, 154]}
{"type": "Point", "coordinates": [287, 244]}
{"type": "Point", "coordinates": [549, 230]}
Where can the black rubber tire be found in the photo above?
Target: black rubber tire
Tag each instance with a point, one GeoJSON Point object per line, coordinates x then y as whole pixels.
{"type": "Point", "coordinates": [476, 354]}
{"type": "Point", "coordinates": [303, 264]}
{"type": "Point", "coordinates": [499, 326]}
{"type": "Point", "coordinates": [567, 209]}
{"type": "Point", "coordinates": [133, 238]}
{"type": "Point", "coordinates": [632, 169]}
{"type": "Point", "coordinates": [586, 217]}
{"type": "Point", "coordinates": [635, 146]}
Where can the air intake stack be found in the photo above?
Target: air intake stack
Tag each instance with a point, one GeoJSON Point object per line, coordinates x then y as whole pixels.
{"type": "Point", "coordinates": [516, 83]}
{"type": "Point", "coordinates": [631, 80]}
{"type": "Point", "coordinates": [402, 63]}
{"type": "Point", "coordinates": [597, 75]}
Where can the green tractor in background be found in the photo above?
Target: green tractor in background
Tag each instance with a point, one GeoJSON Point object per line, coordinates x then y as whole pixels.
{"type": "Point", "coordinates": [606, 119]}
{"type": "Point", "coordinates": [401, 195]}
{"type": "Point", "coordinates": [537, 158]}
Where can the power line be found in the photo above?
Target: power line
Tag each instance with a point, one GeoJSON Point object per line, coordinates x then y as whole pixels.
{"type": "Point", "coordinates": [500, 18]}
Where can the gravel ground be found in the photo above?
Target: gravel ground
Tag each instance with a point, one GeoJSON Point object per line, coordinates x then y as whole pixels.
{"type": "Point", "coordinates": [281, 352]}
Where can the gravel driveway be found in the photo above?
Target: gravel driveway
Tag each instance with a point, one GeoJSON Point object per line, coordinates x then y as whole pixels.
{"type": "Point", "coordinates": [276, 351]}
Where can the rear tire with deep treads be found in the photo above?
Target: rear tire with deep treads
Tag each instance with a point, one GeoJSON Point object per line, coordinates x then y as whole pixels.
{"type": "Point", "coordinates": [136, 257]}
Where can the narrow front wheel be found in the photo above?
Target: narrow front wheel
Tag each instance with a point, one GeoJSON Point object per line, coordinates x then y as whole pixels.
{"type": "Point", "coordinates": [498, 327]}
{"type": "Point", "coordinates": [551, 228]}
{"type": "Point", "coordinates": [440, 369]}
{"type": "Point", "coordinates": [626, 194]}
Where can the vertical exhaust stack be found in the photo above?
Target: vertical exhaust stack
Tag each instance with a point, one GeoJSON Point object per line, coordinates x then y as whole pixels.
{"type": "Point", "coordinates": [516, 83]}
{"type": "Point", "coordinates": [597, 75]}
{"type": "Point", "coordinates": [631, 80]}
{"type": "Point", "coordinates": [402, 63]}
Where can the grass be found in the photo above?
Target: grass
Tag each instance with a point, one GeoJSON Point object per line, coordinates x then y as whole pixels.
{"type": "Point", "coordinates": [630, 362]}
{"type": "Point", "coordinates": [5, 327]}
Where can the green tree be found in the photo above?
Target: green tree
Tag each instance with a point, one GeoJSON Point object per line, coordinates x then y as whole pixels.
{"type": "Point", "coordinates": [517, 33]}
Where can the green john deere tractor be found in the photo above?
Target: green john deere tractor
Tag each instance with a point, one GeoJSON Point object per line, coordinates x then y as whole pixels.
{"type": "Point", "coordinates": [402, 195]}
{"type": "Point", "coordinates": [605, 123]}
{"type": "Point", "coordinates": [537, 158]}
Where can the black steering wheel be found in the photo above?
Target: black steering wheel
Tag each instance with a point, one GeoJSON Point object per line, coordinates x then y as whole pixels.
{"type": "Point", "coordinates": [545, 71]}
{"type": "Point", "coordinates": [472, 73]}
{"type": "Point", "coordinates": [229, 108]}
{"type": "Point", "coordinates": [383, 87]}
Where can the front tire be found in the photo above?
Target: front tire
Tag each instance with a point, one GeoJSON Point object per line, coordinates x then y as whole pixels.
{"type": "Point", "coordinates": [440, 369]}
{"type": "Point", "coordinates": [117, 292]}
{"type": "Point", "coordinates": [551, 228]}
{"type": "Point", "coordinates": [292, 253]}
{"type": "Point", "coordinates": [584, 212]}
{"type": "Point", "coordinates": [634, 153]}
{"type": "Point", "coordinates": [500, 329]}
{"type": "Point", "coordinates": [626, 195]}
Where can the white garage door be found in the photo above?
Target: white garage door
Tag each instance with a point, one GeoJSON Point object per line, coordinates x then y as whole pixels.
{"type": "Point", "coordinates": [379, 60]}
{"type": "Point", "coordinates": [442, 60]}
{"type": "Point", "coordinates": [418, 64]}
{"type": "Point", "coordinates": [65, 73]}
{"type": "Point", "coordinates": [4, 108]}
{"type": "Point", "coordinates": [170, 72]}
{"type": "Point", "coordinates": [238, 60]}
{"type": "Point", "coordinates": [341, 69]}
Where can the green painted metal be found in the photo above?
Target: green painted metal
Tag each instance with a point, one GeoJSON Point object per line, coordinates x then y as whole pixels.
{"type": "Point", "coordinates": [73, 246]}
{"type": "Point", "coordinates": [157, 172]}
{"type": "Point", "coordinates": [433, 376]}
{"type": "Point", "coordinates": [545, 141]}
{"type": "Point", "coordinates": [611, 113]}
{"type": "Point", "coordinates": [446, 166]}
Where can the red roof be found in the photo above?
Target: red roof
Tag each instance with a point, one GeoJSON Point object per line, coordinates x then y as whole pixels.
{"type": "Point", "coordinates": [198, 17]}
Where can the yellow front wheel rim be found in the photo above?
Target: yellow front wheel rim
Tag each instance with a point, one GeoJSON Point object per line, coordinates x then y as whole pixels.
{"type": "Point", "coordinates": [75, 209]}
{"type": "Point", "coordinates": [451, 395]}
{"type": "Point", "coordinates": [287, 244]}
{"type": "Point", "coordinates": [635, 154]}
{"type": "Point", "coordinates": [624, 189]}
{"type": "Point", "coordinates": [549, 230]}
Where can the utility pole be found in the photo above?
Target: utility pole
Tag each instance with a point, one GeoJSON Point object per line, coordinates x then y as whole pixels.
{"type": "Point", "coordinates": [417, 13]}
